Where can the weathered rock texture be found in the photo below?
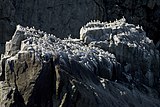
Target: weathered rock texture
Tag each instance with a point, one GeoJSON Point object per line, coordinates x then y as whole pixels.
{"type": "Point", "coordinates": [67, 16]}
{"type": "Point", "coordinates": [142, 12]}
{"type": "Point", "coordinates": [60, 17]}
{"type": "Point", "coordinates": [104, 68]}
{"type": "Point", "coordinates": [129, 44]}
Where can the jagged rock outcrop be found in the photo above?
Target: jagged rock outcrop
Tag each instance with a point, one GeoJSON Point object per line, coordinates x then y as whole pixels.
{"type": "Point", "coordinates": [139, 12]}
{"type": "Point", "coordinates": [136, 52]}
{"type": "Point", "coordinates": [60, 17]}
{"type": "Point", "coordinates": [41, 70]}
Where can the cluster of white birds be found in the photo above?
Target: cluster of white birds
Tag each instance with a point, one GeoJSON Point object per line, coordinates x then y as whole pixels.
{"type": "Point", "coordinates": [117, 34]}
{"type": "Point", "coordinates": [117, 31]}
{"type": "Point", "coordinates": [46, 46]}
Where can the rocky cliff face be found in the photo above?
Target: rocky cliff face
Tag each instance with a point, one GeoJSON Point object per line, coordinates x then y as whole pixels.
{"type": "Point", "coordinates": [111, 65]}
{"type": "Point", "coordinates": [140, 12]}
{"type": "Point", "coordinates": [66, 17]}
{"type": "Point", "coordinates": [60, 17]}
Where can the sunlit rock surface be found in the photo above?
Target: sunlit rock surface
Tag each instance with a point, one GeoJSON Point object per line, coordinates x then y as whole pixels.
{"type": "Point", "coordinates": [135, 51]}
{"type": "Point", "coordinates": [111, 65]}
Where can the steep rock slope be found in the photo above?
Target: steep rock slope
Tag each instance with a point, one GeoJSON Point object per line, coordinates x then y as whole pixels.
{"type": "Point", "coordinates": [41, 70]}
{"type": "Point", "coordinates": [129, 44]}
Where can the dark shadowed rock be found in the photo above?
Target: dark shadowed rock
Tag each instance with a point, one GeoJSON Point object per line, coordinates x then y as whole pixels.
{"type": "Point", "coordinates": [60, 17]}
{"type": "Point", "coordinates": [41, 70]}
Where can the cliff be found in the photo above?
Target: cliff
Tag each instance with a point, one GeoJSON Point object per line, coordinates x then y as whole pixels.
{"type": "Point", "coordinates": [111, 65]}
{"type": "Point", "coordinates": [67, 16]}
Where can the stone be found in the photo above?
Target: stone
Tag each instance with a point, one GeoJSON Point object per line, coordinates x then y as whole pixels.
{"type": "Point", "coordinates": [6, 16]}
{"type": "Point", "coordinates": [128, 43]}
{"type": "Point", "coordinates": [41, 70]}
